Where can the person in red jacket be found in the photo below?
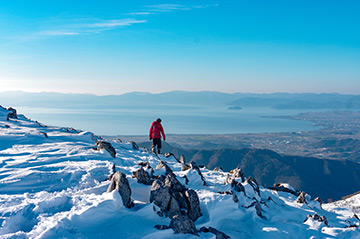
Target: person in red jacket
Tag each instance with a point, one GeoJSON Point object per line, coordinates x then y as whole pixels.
{"type": "Point", "coordinates": [156, 130]}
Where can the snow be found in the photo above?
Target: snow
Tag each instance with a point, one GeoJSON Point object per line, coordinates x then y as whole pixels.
{"type": "Point", "coordinates": [55, 187]}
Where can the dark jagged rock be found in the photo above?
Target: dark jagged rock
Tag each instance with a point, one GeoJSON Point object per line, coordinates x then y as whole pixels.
{"type": "Point", "coordinates": [12, 114]}
{"type": "Point", "coordinates": [253, 184]}
{"type": "Point", "coordinates": [318, 218]}
{"type": "Point", "coordinates": [160, 195]}
{"type": "Point", "coordinates": [134, 145]}
{"type": "Point", "coordinates": [183, 224]}
{"type": "Point", "coordinates": [45, 134]}
{"type": "Point", "coordinates": [301, 198]}
{"type": "Point", "coordinates": [107, 146]}
{"type": "Point", "coordinates": [197, 169]}
{"type": "Point", "coordinates": [120, 183]}
{"type": "Point", "coordinates": [356, 216]}
{"type": "Point", "coordinates": [143, 177]}
{"type": "Point", "coordinates": [174, 184]}
{"type": "Point", "coordinates": [238, 187]}
{"type": "Point", "coordinates": [257, 206]}
{"type": "Point", "coordinates": [217, 233]}
{"type": "Point", "coordinates": [281, 188]}
{"type": "Point", "coordinates": [218, 169]}
{"type": "Point", "coordinates": [174, 208]}
{"type": "Point", "coordinates": [238, 173]}
{"type": "Point", "coordinates": [180, 198]}
{"type": "Point", "coordinates": [186, 179]}
{"type": "Point", "coordinates": [193, 202]}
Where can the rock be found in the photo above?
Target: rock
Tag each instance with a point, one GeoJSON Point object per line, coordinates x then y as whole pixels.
{"type": "Point", "coordinates": [227, 179]}
{"type": "Point", "coordinates": [107, 146]}
{"type": "Point", "coordinates": [162, 164]}
{"type": "Point", "coordinates": [174, 208]}
{"type": "Point", "coordinates": [45, 134]}
{"type": "Point", "coordinates": [174, 184]}
{"type": "Point", "coordinates": [253, 184]}
{"type": "Point", "coordinates": [168, 155]}
{"type": "Point", "coordinates": [238, 173]}
{"type": "Point", "coordinates": [195, 167]}
{"type": "Point", "coordinates": [281, 188]}
{"type": "Point", "coordinates": [121, 184]}
{"type": "Point", "coordinates": [217, 233]}
{"type": "Point", "coordinates": [257, 206]}
{"type": "Point", "coordinates": [161, 227]}
{"type": "Point", "coordinates": [160, 195]}
{"type": "Point", "coordinates": [143, 177]}
{"type": "Point", "coordinates": [301, 198]}
{"type": "Point", "coordinates": [184, 165]}
{"type": "Point", "coordinates": [238, 187]}
{"type": "Point", "coordinates": [134, 145]}
{"type": "Point", "coordinates": [193, 202]}
{"type": "Point", "coordinates": [318, 218]}
{"type": "Point", "coordinates": [180, 198]}
{"type": "Point", "coordinates": [218, 169]}
{"type": "Point", "coordinates": [12, 114]}
{"type": "Point", "coordinates": [234, 197]}
{"type": "Point", "coordinates": [183, 224]}
{"type": "Point", "coordinates": [356, 216]}
{"type": "Point", "coordinates": [319, 200]}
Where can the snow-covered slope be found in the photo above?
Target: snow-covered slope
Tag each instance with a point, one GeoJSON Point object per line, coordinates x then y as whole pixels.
{"type": "Point", "coordinates": [53, 185]}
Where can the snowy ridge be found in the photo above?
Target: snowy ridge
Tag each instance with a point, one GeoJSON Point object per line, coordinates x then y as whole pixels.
{"type": "Point", "coordinates": [53, 185]}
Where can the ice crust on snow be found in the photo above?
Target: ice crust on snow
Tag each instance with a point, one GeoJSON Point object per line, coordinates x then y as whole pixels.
{"type": "Point", "coordinates": [54, 187]}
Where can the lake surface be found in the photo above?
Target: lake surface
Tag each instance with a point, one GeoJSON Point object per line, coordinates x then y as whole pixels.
{"type": "Point", "coordinates": [136, 120]}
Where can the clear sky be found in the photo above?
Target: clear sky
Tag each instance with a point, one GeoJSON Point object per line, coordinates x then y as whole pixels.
{"type": "Point", "coordinates": [113, 47]}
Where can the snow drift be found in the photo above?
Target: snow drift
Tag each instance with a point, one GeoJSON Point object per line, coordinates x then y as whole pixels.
{"type": "Point", "coordinates": [53, 184]}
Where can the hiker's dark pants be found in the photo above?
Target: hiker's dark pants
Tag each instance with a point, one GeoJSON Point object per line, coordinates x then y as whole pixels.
{"type": "Point", "coordinates": [156, 143]}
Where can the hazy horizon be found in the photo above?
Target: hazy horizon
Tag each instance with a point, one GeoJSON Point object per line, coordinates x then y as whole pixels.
{"type": "Point", "coordinates": [114, 47]}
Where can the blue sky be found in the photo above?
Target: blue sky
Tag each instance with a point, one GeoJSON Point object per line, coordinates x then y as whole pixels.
{"type": "Point", "coordinates": [113, 47]}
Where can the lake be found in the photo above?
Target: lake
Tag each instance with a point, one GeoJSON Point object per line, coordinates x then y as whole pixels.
{"type": "Point", "coordinates": [136, 120]}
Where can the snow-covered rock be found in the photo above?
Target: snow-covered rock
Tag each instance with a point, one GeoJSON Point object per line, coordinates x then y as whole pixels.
{"type": "Point", "coordinates": [56, 187]}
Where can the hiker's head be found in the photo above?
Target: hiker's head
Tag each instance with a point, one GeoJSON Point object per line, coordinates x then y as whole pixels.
{"type": "Point", "coordinates": [158, 120]}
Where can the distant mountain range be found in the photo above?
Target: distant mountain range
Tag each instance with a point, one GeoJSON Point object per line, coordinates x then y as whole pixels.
{"type": "Point", "coordinates": [328, 179]}
{"type": "Point", "coordinates": [209, 98]}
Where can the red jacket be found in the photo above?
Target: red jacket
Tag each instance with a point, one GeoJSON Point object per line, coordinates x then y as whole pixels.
{"type": "Point", "coordinates": [156, 130]}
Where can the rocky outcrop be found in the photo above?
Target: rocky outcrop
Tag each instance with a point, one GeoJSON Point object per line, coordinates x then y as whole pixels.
{"type": "Point", "coordinates": [183, 224]}
{"type": "Point", "coordinates": [184, 165]}
{"type": "Point", "coordinates": [318, 218]}
{"type": "Point", "coordinates": [218, 169]}
{"type": "Point", "coordinates": [194, 166]}
{"type": "Point", "coordinates": [160, 195]}
{"type": "Point", "coordinates": [217, 233]}
{"type": "Point", "coordinates": [134, 145]}
{"type": "Point", "coordinates": [120, 183]}
{"type": "Point", "coordinates": [280, 188]}
{"type": "Point", "coordinates": [252, 182]}
{"type": "Point", "coordinates": [238, 173]}
{"type": "Point", "coordinates": [237, 186]}
{"type": "Point", "coordinates": [12, 114]}
{"type": "Point", "coordinates": [193, 202]}
{"type": "Point", "coordinates": [162, 164]}
{"type": "Point", "coordinates": [301, 198]}
{"type": "Point", "coordinates": [107, 146]}
{"type": "Point", "coordinates": [143, 177]}
{"type": "Point", "coordinates": [319, 200]}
